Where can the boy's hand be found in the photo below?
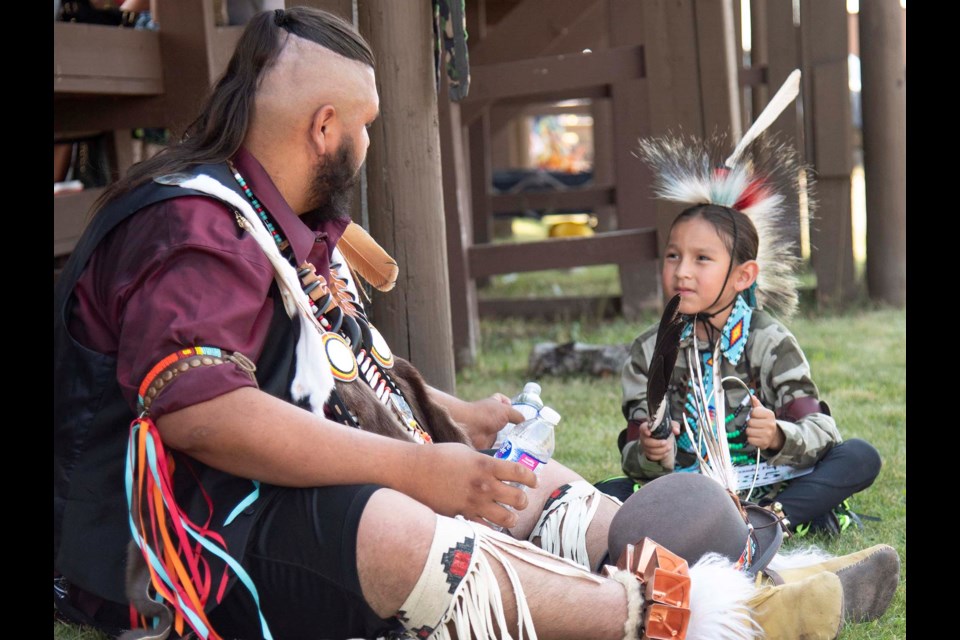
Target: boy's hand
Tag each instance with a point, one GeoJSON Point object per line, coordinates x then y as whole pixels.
{"type": "Point", "coordinates": [654, 449]}
{"type": "Point", "coordinates": [762, 429]}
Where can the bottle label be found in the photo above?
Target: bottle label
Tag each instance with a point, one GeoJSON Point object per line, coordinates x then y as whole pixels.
{"type": "Point", "coordinates": [514, 454]}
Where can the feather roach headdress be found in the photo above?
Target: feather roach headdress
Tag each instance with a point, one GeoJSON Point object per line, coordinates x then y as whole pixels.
{"type": "Point", "coordinates": [756, 179]}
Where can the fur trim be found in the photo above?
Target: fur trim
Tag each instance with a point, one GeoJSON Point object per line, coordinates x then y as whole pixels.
{"type": "Point", "coordinates": [718, 601]}
{"type": "Point", "coordinates": [434, 418]}
{"type": "Point", "coordinates": [635, 599]}
{"type": "Point", "coordinates": [796, 558]}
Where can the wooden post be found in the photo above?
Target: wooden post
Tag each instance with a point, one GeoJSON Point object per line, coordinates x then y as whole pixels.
{"type": "Point", "coordinates": [188, 65]}
{"type": "Point", "coordinates": [632, 115]}
{"type": "Point", "coordinates": [464, 314]}
{"type": "Point", "coordinates": [120, 152]}
{"type": "Point", "coordinates": [776, 45]}
{"type": "Point", "coordinates": [829, 128]}
{"type": "Point", "coordinates": [884, 100]}
{"type": "Point", "coordinates": [783, 56]}
{"type": "Point", "coordinates": [342, 8]}
{"type": "Point", "coordinates": [603, 168]}
{"type": "Point", "coordinates": [719, 68]}
{"type": "Point", "coordinates": [404, 191]}
{"type": "Point", "coordinates": [673, 89]}
{"type": "Point", "coordinates": [759, 54]}
{"type": "Point", "coordinates": [481, 182]}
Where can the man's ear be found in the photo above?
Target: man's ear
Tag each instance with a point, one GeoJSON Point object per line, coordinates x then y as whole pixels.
{"type": "Point", "coordinates": [321, 128]}
{"type": "Point", "coordinates": [746, 275]}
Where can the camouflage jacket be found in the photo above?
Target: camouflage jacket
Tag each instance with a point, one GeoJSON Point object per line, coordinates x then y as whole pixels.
{"type": "Point", "coordinates": [773, 365]}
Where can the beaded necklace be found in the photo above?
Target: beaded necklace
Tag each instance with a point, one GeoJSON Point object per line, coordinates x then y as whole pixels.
{"type": "Point", "coordinates": [364, 353]}
{"type": "Point", "coordinates": [733, 342]}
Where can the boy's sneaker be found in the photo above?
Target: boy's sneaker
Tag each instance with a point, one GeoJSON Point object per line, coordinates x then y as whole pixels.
{"type": "Point", "coordinates": [828, 524]}
{"type": "Point", "coordinates": [846, 516]}
{"type": "Point", "coordinates": [832, 523]}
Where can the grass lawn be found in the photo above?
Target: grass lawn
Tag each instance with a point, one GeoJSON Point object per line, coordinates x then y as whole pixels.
{"type": "Point", "coordinates": [858, 360]}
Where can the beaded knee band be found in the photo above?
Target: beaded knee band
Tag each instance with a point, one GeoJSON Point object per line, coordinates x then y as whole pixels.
{"type": "Point", "coordinates": [165, 371]}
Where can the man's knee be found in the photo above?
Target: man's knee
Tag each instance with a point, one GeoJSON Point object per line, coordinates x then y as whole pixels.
{"type": "Point", "coordinates": [864, 458]}
{"type": "Point", "coordinates": [393, 539]}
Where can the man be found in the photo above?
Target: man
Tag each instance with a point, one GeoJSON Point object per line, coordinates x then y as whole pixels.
{"type": "Point", "coordinates": [256, 512]}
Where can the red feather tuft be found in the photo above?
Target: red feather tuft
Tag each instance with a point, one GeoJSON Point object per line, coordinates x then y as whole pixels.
{"type": "Point", "coordinates": [757, 190]}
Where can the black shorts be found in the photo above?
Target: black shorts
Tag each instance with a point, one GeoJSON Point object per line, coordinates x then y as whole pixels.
{"type": "Point", "coordinates": [302, 557]}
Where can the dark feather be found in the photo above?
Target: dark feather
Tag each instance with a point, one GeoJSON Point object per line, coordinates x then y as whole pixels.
{"type": "Point", "coordinates": [665, 352]}
{"type": "Point", "coordinates": [667, 319]}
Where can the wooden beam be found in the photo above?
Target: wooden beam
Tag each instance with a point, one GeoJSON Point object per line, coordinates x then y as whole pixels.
{"type": "Point", "coordinates": [101, 113]}
{"type": "Point", "coordinates": [529, 29]}
{"type": "Point", "coordinates": [552, 308]}
{"type": "Point", "coordinates": [470, 111]}
{"type": "Point", "coordinates": [884, 99]}
{"type": "Point", "coordinates": [614, 247]}
{"type": "Point", "coordinates": [589, 31]}
{"type": "Point", "coordinates": [405, 190]}
{"type": "Point", "coordinates": [188, 61]}
{"type": "Point", "coordinates": [568, 72]}
{"type": "Point", "coordinates": [97, 59]}
{"type": "Point", "coordinates": [583, 198]}
{"type": "Point", "coordinates": [70, 218]}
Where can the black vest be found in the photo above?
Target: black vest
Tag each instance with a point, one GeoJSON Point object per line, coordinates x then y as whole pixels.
{"type": "Point", "coordinates": [91, 422]}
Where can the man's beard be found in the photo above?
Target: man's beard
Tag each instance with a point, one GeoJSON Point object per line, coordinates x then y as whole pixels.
{"type": "Point", "coordinates": [331, 191]}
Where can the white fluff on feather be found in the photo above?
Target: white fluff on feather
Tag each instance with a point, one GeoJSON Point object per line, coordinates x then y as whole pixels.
{"type": "Point", "coordinates": [718, 601]}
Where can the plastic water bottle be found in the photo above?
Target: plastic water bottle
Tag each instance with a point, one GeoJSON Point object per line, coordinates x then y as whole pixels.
{"type": "Point", "coordinates": [531, 443]}
{"type": "Point", "coordinates": [528, 403]}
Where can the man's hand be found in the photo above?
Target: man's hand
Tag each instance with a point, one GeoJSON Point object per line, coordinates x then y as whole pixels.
{"type": "Point", "coordinates": [762, 429]}
{"type": "Point", "coordinates": [482, 419]}
{"type": "Point", "coordinates": [656, 450]}
{"type": "Point", "coordinates": [453, 480]}
{"type": "Point", "coordinates": [489, 416]}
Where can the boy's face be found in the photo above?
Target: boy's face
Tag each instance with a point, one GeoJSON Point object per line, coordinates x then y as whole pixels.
{"type": "Point", "coordinates": [695, 263]}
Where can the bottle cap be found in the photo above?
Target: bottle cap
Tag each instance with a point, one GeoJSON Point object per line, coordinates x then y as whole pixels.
{"type": "Point", "coordinates": [550, 416]}
{"type": "Point", "coordinates": [532, 387]}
